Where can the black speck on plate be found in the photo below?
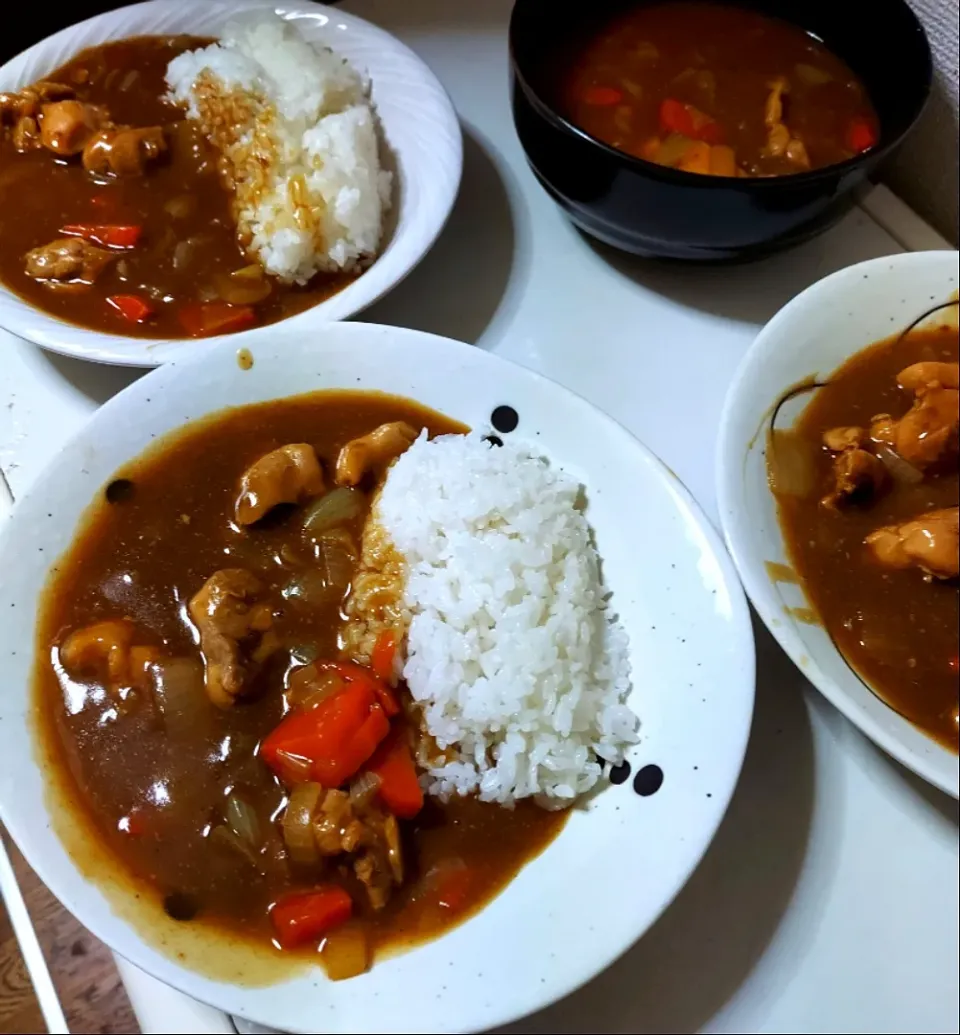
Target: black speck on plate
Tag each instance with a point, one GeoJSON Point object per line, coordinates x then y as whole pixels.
{"type": "Point", "coordinates": [505, 419]}
{"type": "Point", "coordinates": [648, 780]}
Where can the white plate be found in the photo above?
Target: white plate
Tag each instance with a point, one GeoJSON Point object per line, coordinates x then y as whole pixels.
{"type": "Point", "coordinates": [619, 861]}
{"type": "Point", "coordinates": [813, 335]}
{"type": "Point", "coordinates": [419, 124]}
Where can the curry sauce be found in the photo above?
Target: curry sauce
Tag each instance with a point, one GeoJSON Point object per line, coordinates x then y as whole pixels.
{"type": "Point", "coordinates": [896, 619]}
{"type": "Point", "coordinates": [171, 244]}
{"type": "Point", "coordinates": [152, 786]}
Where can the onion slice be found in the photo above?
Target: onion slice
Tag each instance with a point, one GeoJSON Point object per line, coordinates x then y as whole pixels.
{"type": "Point", "coordinates": [298, 824]}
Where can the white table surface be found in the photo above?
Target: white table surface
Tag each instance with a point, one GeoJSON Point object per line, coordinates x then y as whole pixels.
{"type": "Point", "coordinates": [829, 899]}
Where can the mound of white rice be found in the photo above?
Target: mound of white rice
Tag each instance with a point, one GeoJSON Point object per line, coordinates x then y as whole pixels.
{"type": "Point", "coordinates": [520, 670]}
{"type": "Point", "coordinates": [299, 142]}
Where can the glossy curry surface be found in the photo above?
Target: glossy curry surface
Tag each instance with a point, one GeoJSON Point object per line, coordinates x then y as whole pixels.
{"type": "Point", "coordinates": [170, 256]}
{"type": "Point", "coordinates": [871, 520]}
{"type": "Point", "coordinates": [157, 777]}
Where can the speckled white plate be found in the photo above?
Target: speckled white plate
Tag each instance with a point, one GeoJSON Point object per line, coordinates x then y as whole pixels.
{"type": "Point", "coordinates": [812, 336]}
{"type": "Point", "coordinates": [420, 129]}
{"type": "Point", "coordinates": [621, 858]}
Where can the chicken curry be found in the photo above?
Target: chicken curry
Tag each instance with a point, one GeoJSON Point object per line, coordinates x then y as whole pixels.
{"type": "Point", "coordinates": [719, 90]}
{"type": "Point", "coordinates": [224, 742]}
{"type": "Point", "coordinates": [867, 488]}
{"type": "Point", "coordinates": [113, 214]}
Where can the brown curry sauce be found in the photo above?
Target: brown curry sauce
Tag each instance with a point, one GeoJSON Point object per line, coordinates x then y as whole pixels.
{"type": "Point", "coordinates": [899, 631]}
{"type": "Point", "coordinates": [178, 256]}
{"type": "Point", "coordinates": [147, 795]}
{"type": "Point", "coordinates": [716, 89]}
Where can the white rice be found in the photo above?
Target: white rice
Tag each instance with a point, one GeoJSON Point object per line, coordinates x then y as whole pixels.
{"type": "Point", "coordinates": [295, 126]}
{"type": "Point", "coordinates": [519, 668]}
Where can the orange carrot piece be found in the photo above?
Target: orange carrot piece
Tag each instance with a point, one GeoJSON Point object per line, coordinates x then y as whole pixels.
{"type": "Point", "coordinates": [400, 788]}
{"type": "Point", "coordinates": [302, 918]}
{"type": "Point", "coordinates": [384, 656]}
{"type": "Point", "coordinates": [131, 307]}
{"type": "Point", "coordinates": [602, 96]}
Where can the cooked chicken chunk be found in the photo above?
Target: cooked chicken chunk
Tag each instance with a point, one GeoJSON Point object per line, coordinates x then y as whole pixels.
{"type": "Point", "coordinates": [930, 542]}
{"type": "Point", "coordinates": [69, 258]}
{"type": "Point", "coordinates": [290, 474]}
{"type": "Point", "coordinates": [839, 439]}
{"type": "Point", "coordinates": [106, 650]}
{"type": "Point", "coordinates": [29, 100]}
{"type": "Point", "coordinates": [927, 374]}
{"type": "Point", "coordinates": [342, 825]}
{"type": "Point", "coordinates": [780, 141]}
{"type": "Point", "coordinates": [26, 134]}
{"type": "Point", "coordinates": [376, 449]}
{"type": "Point", "coordinates": [235, 638]}
{"type": "Point", "coordinates": [123, 151]}
{"type": "Point", "coordinates": [67, 126]}
{"type": "Point", "coordinates": [99, 648]}
{"type": "Point", "coordinates": [928, 434]}
{"type": "Point", "coordinates": [858, 475]}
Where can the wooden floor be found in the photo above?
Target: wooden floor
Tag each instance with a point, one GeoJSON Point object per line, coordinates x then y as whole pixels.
{"type": "Point", "coordinates": [82, 969]}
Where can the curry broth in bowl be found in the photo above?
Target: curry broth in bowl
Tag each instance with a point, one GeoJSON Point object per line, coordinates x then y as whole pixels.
{"type": "Point", "coordinates": [837, 483]}
{"type": "Point", "coordinates": [867, 482]}
{"type": "Point", "coordinates": [712, 131]}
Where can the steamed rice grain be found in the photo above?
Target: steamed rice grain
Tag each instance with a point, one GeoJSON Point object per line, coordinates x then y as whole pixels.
{"type": "Point", "coordinates": [298, 137]}
{"type": "Point", "coordinates": [518, 668]}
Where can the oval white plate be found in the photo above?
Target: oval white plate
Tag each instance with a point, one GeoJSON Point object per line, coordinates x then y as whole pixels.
{"type": "Point", "coordinates": [619, 861]}
{"type": "Point", "coordinates": [814, 335]}
{"type": "Point", "coordinates": [419, 124]}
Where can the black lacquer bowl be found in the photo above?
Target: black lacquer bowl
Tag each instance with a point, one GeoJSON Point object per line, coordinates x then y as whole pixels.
{"type": "Point", "coordinates": [655, 211]}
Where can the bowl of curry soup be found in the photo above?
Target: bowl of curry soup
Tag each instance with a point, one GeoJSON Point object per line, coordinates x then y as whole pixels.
{"type": "Point", "coordinates": [695, 130]}
{"type": "Point", "coordinates": [838, 486]}
{"type": "Point", "coordinates": [173, 171]}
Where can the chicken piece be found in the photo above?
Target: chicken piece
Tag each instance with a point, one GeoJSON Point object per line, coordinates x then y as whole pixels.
{"type": "Point", "coordinates": [123, 151]}
{"type": "Point", "coordinates": [928, 434]}
{"type": "Point", "coordinates": [26, 134]}
{"type": "Point", "coordinates": [773, 108]}
{"type": "Point", "coordinates": [290, 474]}
{"type": "Point", "coordinates": [101, 649]}
{"type": "Point", "coordinates": [883, 429]}
{"type": "Point", "coordinates": [781, 143]}
{"type": "Point", "coordinates": [67, 126]}
{"type": "Point", "coordinates": [106, 650]}
{"type": "Point", "coordinates": [345, 826]}
{"type": "Point", "coordinates": [235, 632]}
{"type": "Point", "coordinates": [839, 439]}
{"type": "Point", "coordinates": [28, 101]}
{"type": "Point", "coordinates": [67, 259]}
{"type": "Point", "coordinates": [858, 476]}
{"type": "Point", "coordinates": [376, 449]}
{"type": "Point", "coordinates": [930, 542]}
{"type": "Point", "coordinates": [796, 152]}
{"type": "Point", "coordinates": [929, 374]}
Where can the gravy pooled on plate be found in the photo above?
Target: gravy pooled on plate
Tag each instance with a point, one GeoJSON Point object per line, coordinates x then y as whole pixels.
{"type": "Point", "coordinates": [868, 486]}
{"type": "Point", "coordinates": [719, 90]}
{"type": "Point", "coordinates": [192, 684]}
{"type": "Point", "coordinates": [240, 205]}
